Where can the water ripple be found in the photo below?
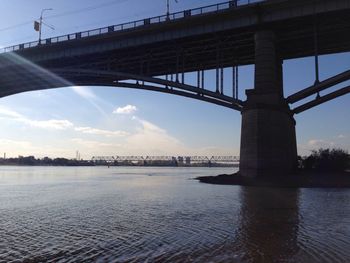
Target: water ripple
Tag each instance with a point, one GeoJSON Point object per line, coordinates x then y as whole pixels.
{"type": "Point", "coordinates": [128, 216]}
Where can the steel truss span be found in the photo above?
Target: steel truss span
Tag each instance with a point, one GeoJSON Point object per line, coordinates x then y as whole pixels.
{"type": "Point", "coordinates": [184, 159]}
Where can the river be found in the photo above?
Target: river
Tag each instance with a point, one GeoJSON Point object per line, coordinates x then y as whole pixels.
{"type": "Point", "coordinates": [144, 214]}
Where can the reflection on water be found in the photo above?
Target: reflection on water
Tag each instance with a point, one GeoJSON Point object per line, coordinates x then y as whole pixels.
{"type": "Point", "coordinates": [269, 224]}
{"type": "Point", "coordinates": [148, 214]}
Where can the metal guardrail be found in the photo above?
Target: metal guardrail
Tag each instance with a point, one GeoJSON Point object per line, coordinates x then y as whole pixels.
{"type": "Point", "coordinates": [134, 24]}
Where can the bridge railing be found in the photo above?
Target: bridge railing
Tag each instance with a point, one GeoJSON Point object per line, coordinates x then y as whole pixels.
{"type": "Point", "coordinates": [134, 24]}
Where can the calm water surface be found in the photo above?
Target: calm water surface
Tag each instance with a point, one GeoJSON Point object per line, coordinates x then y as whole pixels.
{"type": "Point", "coordinates": [96, 214]}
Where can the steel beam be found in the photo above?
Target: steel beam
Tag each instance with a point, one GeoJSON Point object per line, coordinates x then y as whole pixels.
{"type": "Point", "coordinates": [317, 74]}
{"type": "Point", "coordinates": [126, 76]}
{"type": "Point", "coordinates": [236, 79]}
{"type": "Point", "coordinates": [177, 92]}
{"type": "Point", "coordinates": [82, 77]}
{"type": "Point", "coordinates": [332, 81]}
{"type": "Point", "coordinates": [321, 100]}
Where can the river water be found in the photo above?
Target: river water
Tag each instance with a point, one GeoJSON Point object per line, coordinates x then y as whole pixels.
{"type": "Point", "coordinates": [96, 214]}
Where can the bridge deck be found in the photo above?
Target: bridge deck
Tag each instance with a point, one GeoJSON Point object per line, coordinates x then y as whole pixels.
{"type": "Point", "coordinates": [204, 40]}
{"type": "Point", "coordinates": [217, 39]}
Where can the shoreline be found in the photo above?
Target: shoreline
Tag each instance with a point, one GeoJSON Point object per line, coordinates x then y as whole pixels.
{"type": "Point", "coordinates": [302, 179]}
{"type": "Point", "coordinates": [96, 165]}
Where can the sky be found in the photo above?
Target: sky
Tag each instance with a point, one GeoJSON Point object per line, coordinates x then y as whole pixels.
{"type": "Point", "coordinates": [105, 121]}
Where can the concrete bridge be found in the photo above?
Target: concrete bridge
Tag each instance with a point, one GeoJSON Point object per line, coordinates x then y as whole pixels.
{"type": "Point", "coordinates": [155, 53]}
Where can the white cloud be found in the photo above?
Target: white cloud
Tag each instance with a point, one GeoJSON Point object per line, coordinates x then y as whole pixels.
{"type": "Point", "coordinates": [92, 144]}
{"type": "Point", "coordinates": [147, 139]}
{"type": "Point", "coordinates": [46, 124]}
{"type": "Point", "coordinates": [54, 124]}
{"type": "Point", "coordinates": [151, 139]}
{"type": "Point", "coordinates": [150, 127]}
{"type": "Point", "coordinates": [314, 142]}
{"type": "Point", "coordinates": [336, 141]}
{"type": "Point", "coordinates": [14, 148]}
{"type": "Point", "coordinates": [11, 143]}
{"type": "Point", "coordinates": [50, 124]}
{"type": "Point", "coordinates": [128, 109]}
{"type": "Point", "coordinates": [4, 112]}
{"type": "Point", "coordinates": [320, 143]}
{"type": "Point", "coordinates": [90, 148]}
{"type": "Point", "coordinates": [94, 131]}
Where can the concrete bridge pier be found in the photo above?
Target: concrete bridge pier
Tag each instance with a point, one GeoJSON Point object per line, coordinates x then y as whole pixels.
{"type": "Point", "coordinates": [268, 140]}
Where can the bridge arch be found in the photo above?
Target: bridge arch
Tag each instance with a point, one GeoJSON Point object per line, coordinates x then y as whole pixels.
{"type": "Point", "coordinates": [58, 78]}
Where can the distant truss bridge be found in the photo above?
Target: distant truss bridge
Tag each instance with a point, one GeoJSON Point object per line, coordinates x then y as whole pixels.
{"type": "Point", "coordinates": [176, 160]}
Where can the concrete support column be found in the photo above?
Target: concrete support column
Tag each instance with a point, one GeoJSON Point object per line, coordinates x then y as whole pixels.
{"type": "Point", "coordinates": [268, 140]}
{"type": "Point", "coordinates": [266, 79]}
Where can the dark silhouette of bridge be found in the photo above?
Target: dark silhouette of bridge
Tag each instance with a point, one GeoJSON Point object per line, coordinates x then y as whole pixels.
{"type": "Point", "coordinates": [166, 160]}
{"type": "Point", "coordinates": [155, 53]}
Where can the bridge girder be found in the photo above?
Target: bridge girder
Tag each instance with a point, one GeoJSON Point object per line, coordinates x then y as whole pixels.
{"type": "Point", "coordinates": [316, 89]}
{"type": "Point", "coordinates": [120, 79]}
{"type": "Point", "coordinates": [321, 99]}
{"type": "Point", "coordinates": [86, 77]}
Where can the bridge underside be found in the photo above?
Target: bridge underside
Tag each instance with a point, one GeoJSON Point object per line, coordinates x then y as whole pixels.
{"type": "Point", "coordinates": [41, 79]}
{"type": "Point", "coordinates": [204, 42]}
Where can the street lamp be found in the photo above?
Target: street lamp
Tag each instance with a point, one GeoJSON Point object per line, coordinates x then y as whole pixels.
{"type": "Point", "coordinates": [38, 25]}
{"type": "Point", "coordinates": [168, 8]}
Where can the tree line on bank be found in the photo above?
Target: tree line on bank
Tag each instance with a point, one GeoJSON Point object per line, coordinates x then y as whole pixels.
{"type": "Point", "coordinates": [46, 161]}
{"type": "Point", "coordinates": [326, 160]}
{"type": "Point", "coordinates": [318, 160]}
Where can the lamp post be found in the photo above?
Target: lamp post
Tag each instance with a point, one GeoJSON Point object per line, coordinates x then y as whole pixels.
{"type": "Point", "coordinates": [168, 8]}
{"type": "Point", "coordinates": [41, 22]}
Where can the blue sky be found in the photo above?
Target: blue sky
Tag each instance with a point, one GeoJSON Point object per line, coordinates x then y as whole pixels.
{"type": "Point", "coordinates": [113, 121]}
